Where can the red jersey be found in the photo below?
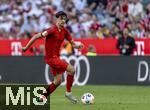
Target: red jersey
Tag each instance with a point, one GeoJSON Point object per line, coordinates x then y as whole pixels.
{"type": "Point", "coordinates": [54, 40]}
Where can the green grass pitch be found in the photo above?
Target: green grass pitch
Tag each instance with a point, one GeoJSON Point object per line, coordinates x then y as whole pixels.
{"type": "Point", "coordinates": [106, 98]}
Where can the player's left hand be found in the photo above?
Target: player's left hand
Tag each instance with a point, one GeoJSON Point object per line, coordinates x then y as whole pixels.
{"type": "Point", "coordinates": [79, 45]}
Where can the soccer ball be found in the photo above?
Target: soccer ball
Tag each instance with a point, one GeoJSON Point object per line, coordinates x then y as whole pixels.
{"type": "Point", "coordinates": [87, 98]}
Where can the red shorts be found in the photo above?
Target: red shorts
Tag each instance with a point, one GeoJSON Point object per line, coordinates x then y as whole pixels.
{"type": "Point", "coordinates": [57, 65]}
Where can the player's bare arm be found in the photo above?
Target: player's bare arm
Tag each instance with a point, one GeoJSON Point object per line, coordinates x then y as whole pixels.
{"type": "Point", "coordinates": [33, 39]}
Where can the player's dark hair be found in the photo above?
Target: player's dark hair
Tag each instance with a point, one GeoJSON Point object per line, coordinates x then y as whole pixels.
{"type": "Point", "coordinates": [60, 13]}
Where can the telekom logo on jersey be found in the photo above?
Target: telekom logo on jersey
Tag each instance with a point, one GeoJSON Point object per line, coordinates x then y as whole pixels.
{"type": "Point", "coordinates": [77, 64]}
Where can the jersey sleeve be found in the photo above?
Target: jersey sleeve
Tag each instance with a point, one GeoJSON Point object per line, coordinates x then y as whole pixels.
{"type": "Point", "coordinates": [46, 32]}
{"type": "Point", "coordinates": [68, 36]}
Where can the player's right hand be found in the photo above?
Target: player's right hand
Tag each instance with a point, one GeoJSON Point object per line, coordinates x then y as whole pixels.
{"type": "Point", "coordinates": [24, 49]}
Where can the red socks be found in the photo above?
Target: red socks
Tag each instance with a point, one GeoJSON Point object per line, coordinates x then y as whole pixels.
{"type": "Point", "coordinates": [52, 86]}
{"type": "Point", "coordinates": [50, 89]}
{"type": "Point", "coordinates": [70, 79]}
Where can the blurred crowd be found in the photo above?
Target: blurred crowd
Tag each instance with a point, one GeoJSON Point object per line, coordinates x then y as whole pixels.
{"type": "Point", "coordinates": [20, 19]}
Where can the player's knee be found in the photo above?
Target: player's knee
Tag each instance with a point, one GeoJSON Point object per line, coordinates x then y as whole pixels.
{"type": "Point", "coordinates": [72, 71]}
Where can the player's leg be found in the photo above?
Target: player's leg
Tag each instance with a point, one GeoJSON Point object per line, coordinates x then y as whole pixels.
{"type": "Point", "coordinates": [53, 85]}
{"type": "Point", "coordinates": [55, 65]}
{"type": "Point", "coordinates": [70, 78]}
{"type": "Point", "coordinates": [60, 66]}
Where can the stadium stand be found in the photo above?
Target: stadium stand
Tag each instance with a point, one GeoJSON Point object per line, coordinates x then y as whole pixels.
{"type": "Point", "coordinates": [20, 19]}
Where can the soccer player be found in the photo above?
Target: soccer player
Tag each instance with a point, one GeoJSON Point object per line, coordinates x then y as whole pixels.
{"type": "Point", "coordinates": [54, 37]}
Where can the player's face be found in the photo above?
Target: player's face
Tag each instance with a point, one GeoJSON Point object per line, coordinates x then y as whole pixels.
{"type": "Point", "coordinates": [62, 20]}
